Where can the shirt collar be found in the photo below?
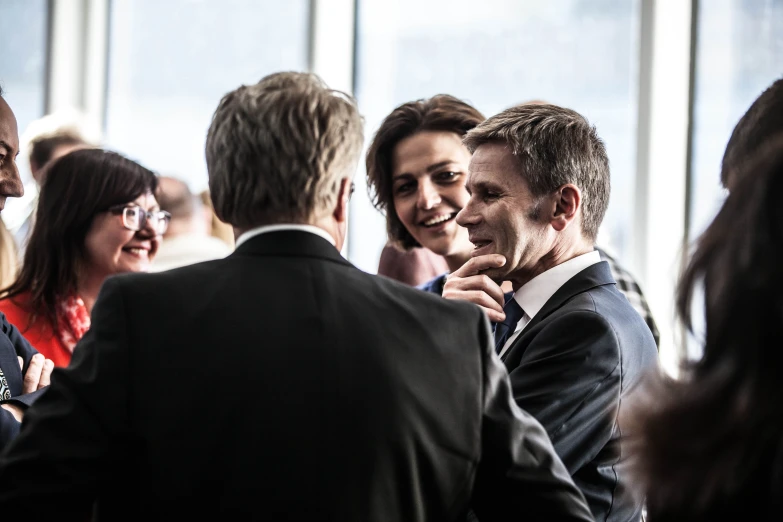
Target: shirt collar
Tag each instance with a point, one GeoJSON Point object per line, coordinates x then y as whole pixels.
{"type": "Point", "coordinates": [253, 232]}
{"type": "Point", "coordinates": [535, 293]}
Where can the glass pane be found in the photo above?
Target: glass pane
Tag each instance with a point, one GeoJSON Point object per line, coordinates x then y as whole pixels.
{"type": "Point", "coordinates": [739, 54]}
{"type": "Point", "coordinates": [171, 62]}
{"type": "Point", "coordinates": [578, 53]}
{"type": "Point", "coordinates": [23, 42]}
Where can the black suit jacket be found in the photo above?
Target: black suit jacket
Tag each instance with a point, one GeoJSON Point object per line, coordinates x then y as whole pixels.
{"type": "Point", "coordinates": [571, 367]}
{"type": "Point", "coordinates": [12, 344]}
{"type": "Point", "coordinates": [282, 383]}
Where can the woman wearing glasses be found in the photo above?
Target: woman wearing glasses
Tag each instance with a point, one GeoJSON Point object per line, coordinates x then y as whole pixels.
{"type": "Point", "coordinates": [96, 217]}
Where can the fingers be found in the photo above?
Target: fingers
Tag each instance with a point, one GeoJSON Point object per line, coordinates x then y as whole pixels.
{"type": "Point", "coordinates": [479, 290]}
{"type": "Point", "coordinates": [33, 376]}
{"type": "Point", "coordinates": [476, 265]}
{"type": "Point", "coordinates": [479, 283]}
{"type": "Point", "coordinates": [46, 374]}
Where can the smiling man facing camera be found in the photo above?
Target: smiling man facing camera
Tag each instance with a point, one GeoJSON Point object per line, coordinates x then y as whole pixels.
{"type": "Point", "coordinates": [573, 345]}
{"type": "Point", "coordinates": [282, 383]}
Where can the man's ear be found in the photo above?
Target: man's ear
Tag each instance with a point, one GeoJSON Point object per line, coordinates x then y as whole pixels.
{"type": "Point", "coordinates": [343, 198]}
{"type": "Point", "coordinates": [568, 201]}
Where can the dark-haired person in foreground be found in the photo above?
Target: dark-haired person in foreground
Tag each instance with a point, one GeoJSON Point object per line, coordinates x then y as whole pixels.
{"type": "Point", "coordinates": [282, 383]}
{"type": "Point", "coordinates": [710, 445]}
{"type": "Point", "coordinates": [23, 371]}
{"type": "Point", "coordinates": [573, 345]}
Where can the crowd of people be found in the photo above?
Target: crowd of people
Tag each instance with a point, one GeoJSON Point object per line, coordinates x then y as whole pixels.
{"type": "Point", "coordinates": [518, 378]}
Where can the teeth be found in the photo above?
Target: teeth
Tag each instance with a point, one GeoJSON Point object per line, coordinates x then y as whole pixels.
{"type": "Point", "coordinates": [137, 251]}
{"type": "Point", "coordinates": [436, 220]}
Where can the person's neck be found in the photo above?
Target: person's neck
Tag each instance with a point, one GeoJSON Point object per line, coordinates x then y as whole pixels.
{"type": "Point", "coordinates": [455, 261]}
{"type": "Point", "coordinates": [559, 254]}
{"type": "Point", "coordinates": [88, 289]}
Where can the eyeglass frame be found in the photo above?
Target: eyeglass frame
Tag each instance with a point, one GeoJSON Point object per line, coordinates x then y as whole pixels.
{"type": "Point", "coordinates": [145, 217]}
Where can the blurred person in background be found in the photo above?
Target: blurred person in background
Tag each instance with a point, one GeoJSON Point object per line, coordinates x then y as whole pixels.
{"type": "Point", "coordinates": [710, 445]}
{"type": "Point", "coordinates": [24, 373]}
{"type": "Point", "coordinates": [416, 169]}
{"type": "Point", "coordinates": [97, 216]}
{"type": "Point", "coordinates": [187, 239]}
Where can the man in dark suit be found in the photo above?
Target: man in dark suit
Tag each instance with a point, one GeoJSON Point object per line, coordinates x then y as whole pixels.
{"type": "Point", "coordinates": [573, 345]}
{"type": "Point", "coordinates": [23, 371]}
{"type": "Point", "coordinates": [282, 383]}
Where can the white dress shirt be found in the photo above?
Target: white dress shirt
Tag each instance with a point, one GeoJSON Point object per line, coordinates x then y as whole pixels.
{"type": "Point", "coordinates": [535, 293]}
{"type": "Point", "coordinates": [253, 232]}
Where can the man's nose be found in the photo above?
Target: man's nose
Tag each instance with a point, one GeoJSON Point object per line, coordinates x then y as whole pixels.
{"type": "Point", "coordinates": [467, 216]}
{"type": "Point", "coordinates": [428, 196]}
{"type": "Point", "coordinates": [11, 184]}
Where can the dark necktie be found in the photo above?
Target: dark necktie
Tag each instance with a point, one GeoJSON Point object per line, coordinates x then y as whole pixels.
{"type": "Point", "coordinates": [504, 330]}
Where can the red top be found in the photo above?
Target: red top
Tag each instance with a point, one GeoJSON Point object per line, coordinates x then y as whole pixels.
{"type": "Point", "coordinates": [40, 334]}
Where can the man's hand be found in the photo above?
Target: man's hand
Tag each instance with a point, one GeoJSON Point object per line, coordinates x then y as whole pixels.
{"type": "Point", "coordinates": [38, 373]}
{"type": "Point", "coordinates": [468, 284]}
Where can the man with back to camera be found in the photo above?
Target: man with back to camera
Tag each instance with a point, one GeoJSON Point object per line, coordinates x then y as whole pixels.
{"type": "Point", "coordinates": [282, 383]}
{"type": "Point", "coordinates": [573, 345]}
{"type": "Point", "coordinates": [23, 371]}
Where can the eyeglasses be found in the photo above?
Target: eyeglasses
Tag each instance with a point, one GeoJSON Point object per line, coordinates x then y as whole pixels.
{"type": "Point", "coordinates": [135, 218]}
{"type": "Point", "coordinates": [353, 188]}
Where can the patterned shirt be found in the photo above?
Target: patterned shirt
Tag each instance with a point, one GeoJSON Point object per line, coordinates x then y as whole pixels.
{"type": "Point", "coordinates": [633, 292]}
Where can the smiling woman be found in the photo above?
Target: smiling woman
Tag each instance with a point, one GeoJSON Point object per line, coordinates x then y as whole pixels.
{"type": "Point", "coordinates": [96, 217]}
{"type": "Point", "coordinates": [417, 167]}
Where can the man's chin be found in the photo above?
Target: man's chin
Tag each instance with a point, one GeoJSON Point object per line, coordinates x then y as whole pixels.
{"type": "Point", "coordinates": [498, 275]}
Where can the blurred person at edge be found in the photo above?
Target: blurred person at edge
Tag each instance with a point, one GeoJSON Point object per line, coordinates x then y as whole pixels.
{"type": "Point", "coordinates": [416, 169]}
{"type": "Point", "coordinates": [24, 373]}
{"type": "Point", "coordinates": [328, 369]}
{"type": "Point", "coordinates": [96, 217]}
{"type": "Point", "coordinates": [188, 239]}
{"type": "Point", "coordinates": [709, 446]}
{"type": "Point", "coordinates": [734, 469]}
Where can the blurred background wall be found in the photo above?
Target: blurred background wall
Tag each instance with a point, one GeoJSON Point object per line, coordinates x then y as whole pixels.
{"type": "Point", "coordinates": [664, 81]}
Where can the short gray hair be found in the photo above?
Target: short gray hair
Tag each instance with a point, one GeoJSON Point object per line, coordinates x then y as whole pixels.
{"type": "Point", "coordinates": [277, 150]}
{"type": "Point", "coordinates": [556, 146]}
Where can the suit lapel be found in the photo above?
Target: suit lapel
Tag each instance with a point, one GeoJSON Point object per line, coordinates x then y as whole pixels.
{"type": "Point", "coordinates": [591, 277]}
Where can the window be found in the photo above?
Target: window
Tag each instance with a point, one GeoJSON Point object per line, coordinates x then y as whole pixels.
{"type": "Point", "coordinates": [171, 62]}
{"type": "Point", "coordinates": [739, 54]}
{"type": "Point", "coordinates": [494, 54]}
{"type": "Point", "coordinates": [23, 40]}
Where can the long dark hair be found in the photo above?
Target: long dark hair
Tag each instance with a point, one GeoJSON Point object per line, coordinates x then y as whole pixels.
{"type": "Point", "coordinates": [76, 188]}
{"type": "Point", "coordinates": [713, 441]}
{"type": "Point", "coordinates": [439, 113]}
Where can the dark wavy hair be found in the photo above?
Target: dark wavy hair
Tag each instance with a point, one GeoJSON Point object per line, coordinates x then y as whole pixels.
{"type": "Point", "coordinates": [77, 187]}
{"type": "Point", "coordinates": [439, 113]}
{"type": "Point", "coordinates": [711, 444]}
